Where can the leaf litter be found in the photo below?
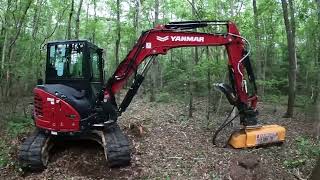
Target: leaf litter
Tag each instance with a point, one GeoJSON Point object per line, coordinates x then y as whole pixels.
{"type": "Point", "coordinates": [168, 145]}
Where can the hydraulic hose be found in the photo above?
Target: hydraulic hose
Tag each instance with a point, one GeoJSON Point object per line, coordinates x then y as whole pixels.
{"type": "Point", "coordinates": [223, 125]}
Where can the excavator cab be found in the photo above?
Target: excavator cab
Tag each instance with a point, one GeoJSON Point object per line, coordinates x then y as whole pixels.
{"type": "Point", "coordinates": [73, 80]}
{"type": "Point", "coordinates": [76, 64]}
{"type": "Point", "coordinates": [74, 72]}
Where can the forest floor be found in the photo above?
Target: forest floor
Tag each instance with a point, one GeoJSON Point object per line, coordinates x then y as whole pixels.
{"type": "Point", "coordinates": [176, 147]}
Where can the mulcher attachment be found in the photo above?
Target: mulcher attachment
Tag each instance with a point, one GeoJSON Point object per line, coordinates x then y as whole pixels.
{"type": "Point", "coordinates": [34, 152]}
{"type": "Point", "coordinates": [264, 135]}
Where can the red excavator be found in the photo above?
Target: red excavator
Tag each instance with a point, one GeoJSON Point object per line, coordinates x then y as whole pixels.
{"type": "Point", "coordinates": [74, 102]}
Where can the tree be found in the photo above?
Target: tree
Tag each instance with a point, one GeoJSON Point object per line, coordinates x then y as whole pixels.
{"type": "Point", "coordinates": [118, 38]}
{"type": "Point", "coordinates": [95, 21]}
{"type": "Point", "coordinates": [257, 53]}
{"type": "Point", "coordinates": [154, 73]}
{"type": "Point", "coordinates": [316, 171]}
{"type": "Point", "coordinates": [317, 60]}
{"type": "Point", "coordinates": [136, 18]}
{"type": "Point", "coordinates": [78, 20]}
{"type": "Point", "coordinates": [12, 34]}
{"type": "Point", "coordinates": [292, 72]}
{"type": "Point", "coordinates": [195, 56]}
{"type": "Point", "coordinates": [68, 36]}
{"type": "Point", "coordinates": [209, 87]}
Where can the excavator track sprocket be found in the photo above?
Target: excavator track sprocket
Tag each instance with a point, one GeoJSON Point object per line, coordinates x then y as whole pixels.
{"type": "Point", "coordinates": [34, 152]}
{"type": "Point", "coordinates": [117, 148]}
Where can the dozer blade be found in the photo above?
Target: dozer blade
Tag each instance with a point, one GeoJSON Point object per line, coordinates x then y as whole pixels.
{"type": "Point", "coordinates": [264, 135]}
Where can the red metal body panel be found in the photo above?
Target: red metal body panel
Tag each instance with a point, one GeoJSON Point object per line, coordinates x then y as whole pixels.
{"type": "Point", "coordinates": [53, 113]}
{"type": "Point", "coordinates": [159, 40]}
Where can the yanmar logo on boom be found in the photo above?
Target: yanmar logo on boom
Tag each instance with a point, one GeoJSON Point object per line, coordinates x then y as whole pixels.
{"type": "Point", "coordinates": [181, 38]}
{"type": "Point", "coordinates": [162, 39]}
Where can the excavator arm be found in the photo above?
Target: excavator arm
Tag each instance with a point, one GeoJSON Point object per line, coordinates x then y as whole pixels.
{"type": "Point", "coordinates": [178, 34]}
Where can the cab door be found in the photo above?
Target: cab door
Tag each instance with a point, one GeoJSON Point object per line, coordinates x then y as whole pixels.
{"type": "Point", "coordinates": [96, 80]}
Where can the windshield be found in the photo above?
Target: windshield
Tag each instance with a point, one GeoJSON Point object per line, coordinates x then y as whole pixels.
{"type": "Point", "coordinates": [66, 60]}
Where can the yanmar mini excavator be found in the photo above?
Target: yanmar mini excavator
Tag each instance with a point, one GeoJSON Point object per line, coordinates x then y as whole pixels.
{"type": "Point", "coordinates": [74, 102]}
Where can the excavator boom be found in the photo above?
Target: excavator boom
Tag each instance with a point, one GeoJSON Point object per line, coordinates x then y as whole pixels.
{"type": "Point", "coordinates": [178, 34]}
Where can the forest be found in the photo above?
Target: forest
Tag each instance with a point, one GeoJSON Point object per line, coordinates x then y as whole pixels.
{"type": "Point", "coordinates": [171, 120]}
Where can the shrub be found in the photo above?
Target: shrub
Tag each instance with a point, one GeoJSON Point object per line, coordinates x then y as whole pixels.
{"type": "Point", "coordinates": [305, 151]}
{"type": "Point", "coordinates": [163, 97]}
{"type": "Point", "coordinates": [18, 124]}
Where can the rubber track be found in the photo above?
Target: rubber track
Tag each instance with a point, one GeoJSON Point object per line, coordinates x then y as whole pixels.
{"type": "Point", "coordinates": [117, 147]}
{"type": "Point", "coordinates": [30, 152]}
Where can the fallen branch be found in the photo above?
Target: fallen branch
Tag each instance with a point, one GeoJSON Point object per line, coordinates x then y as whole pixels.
{"type": "Point", "coordinates": [175, 157]}
{"type": "Point", "coordinates": [297, 175]}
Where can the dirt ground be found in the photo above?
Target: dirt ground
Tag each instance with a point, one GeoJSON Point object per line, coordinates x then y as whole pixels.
{"type": "Point", "coordinates": [175, 147]}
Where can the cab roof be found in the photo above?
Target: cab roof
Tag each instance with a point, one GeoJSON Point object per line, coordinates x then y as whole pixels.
{"type": "Point", "coordinates": [74, 41]}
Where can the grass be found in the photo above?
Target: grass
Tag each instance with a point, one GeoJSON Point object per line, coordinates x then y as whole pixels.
{"type": "Point", "coordinates": [4, 154]}
{"type": "Point", "coordinates": [164, 97]}
{"type": "Point", "coordinates": [18, 125]}
{"type": "Point", "coordinates": [14, 126]}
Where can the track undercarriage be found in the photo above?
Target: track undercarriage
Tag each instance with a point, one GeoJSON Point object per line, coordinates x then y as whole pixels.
{"type": "Point", "coordinates": [34, 152]}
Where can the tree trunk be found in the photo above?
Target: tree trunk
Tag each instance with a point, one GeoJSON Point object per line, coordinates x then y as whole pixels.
{"type": "Point", "coordinates": [77, 30]}
{"type": "Point", "coordinates": [317, 61]}
{"type": "Point", "coordinates": [70, 20]}
{"type": "Point", "coordinates": [258, 58]}
{"type": "Point", "coordinates": [118, 40]}
{"type": "Point", "coordinates": [292, 74]}
{"type": "Point", "coordinates": [136, 19]}
{"type": "Point", "coordinates": [87, 21]}
{"type": "Point", "coordinates": [4, 32]}
{"type": "Point", "coordinates": [8, 84]}
{"type": "Point", "coordinates": [195, 61]}
{"type": "Point", "coordinates": [95, 21]}
{"type": "Point", "coordinates": [208, 87]}
{"type": "Point", "coordinates": [35, 20]}
{"type": "Point", "coordinates": [161, 66]}
{"type": "Point", "coordinates": [156, 12]}
{"type": "Point", "coordinates": [154, 69]}
{"type": "Point", "coordinates": [3, 57]}
{"type": "Point", "coordinates": [4, 50]}
{"type": "Point", "coordinates": [10, 46]}
{"type": "Point", "coordinates": [20, 24]}
{"type": "Point", "coordinates": [316, 171]}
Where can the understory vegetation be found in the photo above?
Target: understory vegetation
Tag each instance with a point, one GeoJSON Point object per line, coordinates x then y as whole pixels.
{"type": "Point", "coordinates": [12, 131]}
{"type": "Point", "coordinates": [307, 150]}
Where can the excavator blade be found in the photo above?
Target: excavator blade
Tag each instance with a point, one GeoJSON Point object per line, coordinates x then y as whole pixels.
{"type": "Point", "coordinates": [253, 137]}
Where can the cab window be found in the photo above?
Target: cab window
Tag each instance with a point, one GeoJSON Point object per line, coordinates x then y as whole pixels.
{"type": "Point", "coordinates": [94, 57]}
{"type": "Point", "coordinates": [66, 60]}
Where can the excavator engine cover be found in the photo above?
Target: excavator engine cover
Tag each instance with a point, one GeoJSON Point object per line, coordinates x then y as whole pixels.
{"type": "Point", "coordinates": [264, 135]}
